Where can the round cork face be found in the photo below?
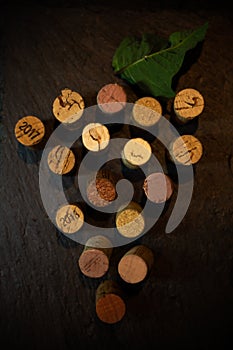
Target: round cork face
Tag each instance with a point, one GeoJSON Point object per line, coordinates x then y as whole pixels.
{"type": "Point", "coordinates": [101, 192]}
{"type": "Point", "coordinates": [69, 218]}
{"type": "Point", "coordinates": [158, 187]}
{"type": "Point", "coordinates": [188, 104]}
{"type": "Point", "coordinates": [93, 263]}
{"type": "Point", "coordinates": [130, 222]}
{"type": "Point", "coordinates": [95, 137]}
{"type": "Point", "coordinates": [68, 107]}
{"type": "Point", "coordinates": [147, 111]}
{"type": "Point", "coordinates": [132, 268]}
{"type": "Point", "coordinates": [111, 98]}
{"type": "Point", "coordinates": [61, 160]}
{"type": "Point", "coordinates": [186, 150]}
{"type": "Point", "coordinates": [137, 151]}
{"type": "Point", "coordinates": [29, 131]}
{"type": "Point", "coordinates": [110, 308]}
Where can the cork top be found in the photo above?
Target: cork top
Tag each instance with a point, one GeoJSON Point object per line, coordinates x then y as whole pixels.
{"type": "Point", "coordinates": [188, 103]}
{"type": "Point", "coordinates": [110, 306]}
{"type": "Point", "coordinates": [129, 221]}
{"type": "Point", "coordinates": [132, 268]}
{"type": "Point", "coordinates": [137, 151]}
{"type": "Point", "coordinates": [95, 137]}
{"type": "Point", "coordinates": [69, 218]}
{"type": "Point", "coordinates": [94, 260]}
{"type": "Point", "coordinates": [186, 150]}
{"type": "Point", "coordinates": [111, 98]}
{"type": "Point", "coordinates": [68, 106]}
{"type": "Point", "coordinates": [158, 187]}
{"type": "Point", "coordinates": [135, 264]}
{"type": "Point", "coordinates": [147, 111]}
{"type": "Point", "coordinates": [93, 263]}
{"type": "Point", "coordinates": [61, 160]}
{"type": "Point", "coordinates": [29, 131]}
{"type": "Point", "coordinates": [101, 192]}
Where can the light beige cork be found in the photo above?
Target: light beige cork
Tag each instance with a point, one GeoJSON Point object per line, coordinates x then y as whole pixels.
{"type": "Point", "coordinates": [147, 111]}
{"type": "Point", "coordinates": [134, 266]}
{"type": "Point", "coordinates": [61, 160]}
{"type": "Point", "coordinates": [29, 131]}
{"type": "Point", "coordinates": [95, 137]}
{"type": "Point", "coordinates": [129, 221]}
{"type": "Point", "coordinates": [188, 104]}
{"type": "Point", "coordinates": [68, 107]}
{"type": "Point", "coordinates": [69, 218]}
{"type": "Point", "coordinates": [110, 305]}
{"type": "Point", "coordinates": [136, 153]}
{"type": "Point", "coordinates": [186, 150]}
{"type": "Point", "coordinates": [94, 260]}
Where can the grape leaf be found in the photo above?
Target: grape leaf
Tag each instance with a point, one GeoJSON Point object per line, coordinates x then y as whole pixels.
{"type": "Point", "coordinates": [151, 62]}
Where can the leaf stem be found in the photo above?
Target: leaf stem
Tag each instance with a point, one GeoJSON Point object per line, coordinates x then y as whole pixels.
{"type": "Point", "coordinates": [170, 48]}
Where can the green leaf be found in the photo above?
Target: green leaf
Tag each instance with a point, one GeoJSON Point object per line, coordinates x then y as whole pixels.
{"type": "Point", "coordinates": [151, 62]}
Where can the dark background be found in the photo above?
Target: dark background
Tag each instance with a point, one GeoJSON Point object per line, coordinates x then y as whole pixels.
{"type": "Point", "coordinates": [45, 303]}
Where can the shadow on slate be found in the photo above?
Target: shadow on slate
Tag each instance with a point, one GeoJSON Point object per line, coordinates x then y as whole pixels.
{"type": "Point", "coordinates": [65, 241]}
{"type": "Point", "coordinates": [29, 156]}
{"type": "Point", "coordinates": [189, 128]}
{"type": "Point", "coordinates": [190, 58]}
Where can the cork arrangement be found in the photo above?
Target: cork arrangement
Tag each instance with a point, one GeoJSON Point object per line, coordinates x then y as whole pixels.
{"type": "Point", "coordinates": [94, 261]}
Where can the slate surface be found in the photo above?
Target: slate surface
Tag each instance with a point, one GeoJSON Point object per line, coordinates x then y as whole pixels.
{"type": "Point", "coordinates": [45, 301]}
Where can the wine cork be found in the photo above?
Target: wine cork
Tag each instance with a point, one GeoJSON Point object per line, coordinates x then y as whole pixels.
{"type": "Point", "coordinates": [136, 153]}
{"type": "Point", "coordinates": [94, 260]}
{"type": "Point", "coordinates": [111, 98]}
{"type": "Point", "coordinates": [134, 266]}
{"type": "Point", "coordinates": [29, 131]}
{"type": "Point", "coordinates": [102, 190]}
{"type": "Point", "coordinates": [69, 218]}
{"type": "Point", "coordinates": [130, 222]}
{"type": "Point", "coordinates": [188, 104]}
{"type": "Point", "coordinates": [110, 305]}
{"type": "Point", "coordinates": [95, 137]}
{"type": "Point", "coordinates": [186, 150]}
{"type": "Point", "coordinates": [61, 160]}
{"type": "Point", "coordinates": [146, 111]}
{"type": "Point", "coordinates": [68, 107]}
{"type": "Point", "coordinates": [158, 187]}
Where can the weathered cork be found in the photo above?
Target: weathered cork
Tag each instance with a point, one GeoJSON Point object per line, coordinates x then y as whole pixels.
{"type": "Point", "coordinates": [147, 111]}
{"type": "Point", "coordinates": [68, 107]}
{"type": "Point", "coordinates": [188, 104]}
{"type": "Point", "coordinates": [69, 218]}
{"type": "Point", "coordinates": [94, 260]}
{"type": "Point", "coordinates": [29, 131]}
{"type": "Point", "coordinates": [61, 160]}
